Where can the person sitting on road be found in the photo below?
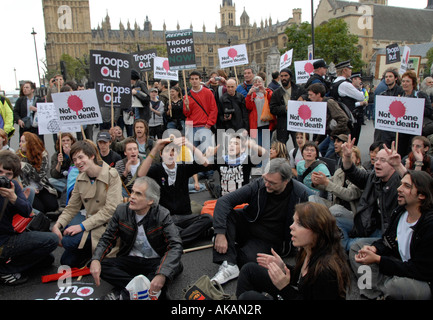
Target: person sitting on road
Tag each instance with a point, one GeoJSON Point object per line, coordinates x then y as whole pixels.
{"type": "Point", "coordinates": [265, 220]}
{"type": "Point", "coordinates": [150, 246]}
{"type": "Point", "coordinates": [321, 271]}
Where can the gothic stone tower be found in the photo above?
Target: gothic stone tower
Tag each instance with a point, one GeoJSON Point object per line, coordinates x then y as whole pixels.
{"type": "Point", "coordinates": [67, 29]}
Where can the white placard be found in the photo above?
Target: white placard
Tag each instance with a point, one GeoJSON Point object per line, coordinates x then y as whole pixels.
{"type": "Point", "coordinates": [286, 59]}
{"type": "Point", "coordinates": [233, 56]}
{"type": "Point", "coordinates": [398, 114]}
{"type": "Point", "coordinates": [306, 116]}
{"type": "Point", "coordinates": [303, 70]}
{"type": "Point", "coordinates": [161, 70]}
{"type": "Point", "coordinates": [405, 60]}
{"type": "Point", "coordinates": [48, 120]}
{"type": "Point", "coordinates": [77, 108]}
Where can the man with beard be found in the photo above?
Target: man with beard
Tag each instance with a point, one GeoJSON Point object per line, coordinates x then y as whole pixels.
{"type": "Point", "coordinates": [394, 90]}
{"type": "Point", "coordinates": [278, 104]}
{"type": "Point", "coordinates": [401, 262]}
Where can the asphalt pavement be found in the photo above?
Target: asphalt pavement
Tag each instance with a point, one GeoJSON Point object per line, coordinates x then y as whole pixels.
{"type": "Point", "coordinates": [196, 263]}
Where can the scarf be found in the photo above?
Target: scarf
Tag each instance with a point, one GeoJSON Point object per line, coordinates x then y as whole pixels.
{"type": "Point", "coordinates": [171, 173]}
{"type": "Point", "coordinates": [235, 162]}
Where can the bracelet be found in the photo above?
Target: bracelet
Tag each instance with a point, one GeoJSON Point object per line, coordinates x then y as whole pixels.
{"type": "Point", "coordinates": [82, 227]}
{"type": "Point", "coordinates": [152, 156]}
{"type": "Point", "coordinates": [419, 163]}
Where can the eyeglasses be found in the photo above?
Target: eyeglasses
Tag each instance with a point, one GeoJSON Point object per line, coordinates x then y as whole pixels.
{"type": "Point", "coordinates": [383, 160]}
{"type": "Point", "coordinates": [272, 183]}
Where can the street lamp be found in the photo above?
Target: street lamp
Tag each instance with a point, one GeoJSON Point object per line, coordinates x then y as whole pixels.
{"type": "Point", "coordinates": [312, 26]}
{"type": "Point", "coordinates": [36, 51]}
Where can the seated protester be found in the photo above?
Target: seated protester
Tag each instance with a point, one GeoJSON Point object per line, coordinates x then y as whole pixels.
{"type": "Point", "coordinates": [374, 149]}
{"type": "Point", "coordinates": [117, 134]}
{"type": "Point", "coordinates": [20, 252]}
{"type": "Point", "coordinates": [173, 180]}
{"type": "Point", "coordinates": [110, 157]}
{"type": "Point", "coordinates": [98, 190]}
{"type": "Point", "coordinates": [34, 169]}
{"type": "Point", "coordinates": [234, 167]}
{"type": "Point", "coordinates": [378, 199]}
{"type": "Point", "coordinates": [127, 167]}
{"type": "Point", "coordinates": [345, 195]}
{"type": "Point", "coordinates": [418, 158]}
{"type": "Point", "coordinates": [60, 164]}
{"type": "Point", "coordinates": [310, 164]}
{"type": "Point", "coordinates": [338, 142]}
{"type": "Point", "coordinates": [277, 150]}
{"type": "Point", "coordinates": [150, 246]}
{"type": "Point", "coordinates": [295, 155]}
{"type": "Point", "coordinates": [321, 271]}
{"type": "Point", "coordinates": [265, 221]}
{"type": "Point", "coordinates": [401, 261]}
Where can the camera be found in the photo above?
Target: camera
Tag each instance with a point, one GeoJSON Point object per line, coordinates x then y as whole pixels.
{"type": "Point", "coordinates": [229, 110]}
{"type": "Point", "coordinates": [5, 182]}
{"type": "Point", "coordinates": [217, 78]}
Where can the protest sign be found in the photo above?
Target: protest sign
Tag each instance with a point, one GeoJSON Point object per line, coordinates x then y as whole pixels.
{"type": "Point", "coordinates": [392, 53]}
{"type": "Point", "coordinates": [77, 107]}
{"type": "Point", "coordinates": [306, 116]}
{"type": "Point", "coordinates": [286, 59]}
{"type": "Point", "coordinates": [111, 73]}
{"type": "Point", "coordinates": [399, 114]}
{"type": "Point", "coordinates": [143, 61]}
{"type": "Point", "coordinates": [162, 70]}
{"type": "Point", "coordinates": [405, 60]}
{"type": "Point", "coordinates": [180, 49]}
{"type": "Point", "coordinates": [303, 70]}
{"type": "Point", "coordinates": [233, 56]}
{"type": "Point", "coordinates": [49, 122]}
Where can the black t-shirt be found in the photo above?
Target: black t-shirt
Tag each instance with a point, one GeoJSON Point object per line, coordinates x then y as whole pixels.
{"type": "Point", "coordinates": [271, 225]}
{"type": "Point", "coordinates": [233, 177]}
{"type": "Point", "coordinates": [111, 158]}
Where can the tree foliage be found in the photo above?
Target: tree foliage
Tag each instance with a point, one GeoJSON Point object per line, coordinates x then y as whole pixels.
{"type": "Point", "coordinates": [333, 42]}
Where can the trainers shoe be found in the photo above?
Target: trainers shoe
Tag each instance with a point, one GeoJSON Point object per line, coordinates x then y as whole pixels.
{"type": "Point", "coordinates": [12, 279]}
{"type": "Point", "coordinates": [226, 272]}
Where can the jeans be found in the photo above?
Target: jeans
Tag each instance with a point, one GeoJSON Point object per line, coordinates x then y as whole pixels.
{"type": "Point", "coordinates": [72, 256]}
{"type": "Point", "coordinates": [326, 147]}
{"type": "Point", "coordinates": [346, 225]}
{"type": "Point", "coordinates": [26, 250]}
{"type": "Point", "coordinates": [394, 287]}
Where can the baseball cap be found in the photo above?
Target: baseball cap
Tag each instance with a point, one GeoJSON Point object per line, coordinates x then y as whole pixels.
{"type": "Point", "coordinates": [103, 136]}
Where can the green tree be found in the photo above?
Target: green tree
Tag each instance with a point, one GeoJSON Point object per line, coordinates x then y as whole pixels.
{"type": "Point", "coordinates": [332, 41]}
{"type": "Point", "coordinates": [76, 68]}
{"type": "Point", "coordinates": [428, 70]}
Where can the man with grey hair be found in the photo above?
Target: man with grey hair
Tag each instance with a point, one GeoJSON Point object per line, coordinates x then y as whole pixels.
{"type": "Point", "coordinates": [261, 225]}
{"type": "Point", "coordinates": [150, 244]}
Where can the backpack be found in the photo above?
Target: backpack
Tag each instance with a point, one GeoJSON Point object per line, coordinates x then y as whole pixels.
{"type": "Point", "coordinates": [350, 117]}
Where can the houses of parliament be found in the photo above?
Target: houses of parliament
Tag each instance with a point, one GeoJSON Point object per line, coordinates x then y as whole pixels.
{"type": "Point", "coordinates": [68, 30]}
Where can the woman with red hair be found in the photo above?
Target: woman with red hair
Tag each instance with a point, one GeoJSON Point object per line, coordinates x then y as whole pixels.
{"type": "Point", "coordinates": [34, 163]}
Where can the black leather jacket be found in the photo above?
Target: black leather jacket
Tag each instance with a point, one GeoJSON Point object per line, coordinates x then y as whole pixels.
{"type": "Point", "coordinates": [161, 233]}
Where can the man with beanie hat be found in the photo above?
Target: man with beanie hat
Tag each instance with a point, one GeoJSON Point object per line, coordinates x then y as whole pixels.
{"type": "Point", "coordinates": [278, 104]}
{"type": "Point", "coordinates": [140, 97]}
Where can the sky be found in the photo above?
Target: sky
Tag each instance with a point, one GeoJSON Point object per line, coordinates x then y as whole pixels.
{"type": "Point", "coordinates": [18, 55]}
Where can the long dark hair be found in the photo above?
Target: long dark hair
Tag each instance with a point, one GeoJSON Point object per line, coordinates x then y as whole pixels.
{"type": "Point", "coordinates": [423, 182]}
{"type": "Point", "coordinates": [327, 254]}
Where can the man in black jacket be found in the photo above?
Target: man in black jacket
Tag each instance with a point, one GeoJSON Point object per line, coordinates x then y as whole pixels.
{"type": "Point", "coordinates": [261, 225]}
{"type": "Point", "coordinates": [232, 112]}
{"type": "Point", "coordinates": [278, 104]}
{"type": "Point", "coordinates": [378, 199]}
{"type": "Point", "coordinates": [401, 262]}
{"type": "Point", "coordinates": [150, 244]}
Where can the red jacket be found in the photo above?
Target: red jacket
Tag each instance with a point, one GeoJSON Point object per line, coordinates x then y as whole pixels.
{"type": "Point", "coordinates": [252, 112]}
{"type": "Point", "coordinates": [196, 114]}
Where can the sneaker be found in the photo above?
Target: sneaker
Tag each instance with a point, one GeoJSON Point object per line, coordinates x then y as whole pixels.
{"type": "Point", "coordinates": [226, 272]}
{"type": "Point", "coordinates": [12, 279]}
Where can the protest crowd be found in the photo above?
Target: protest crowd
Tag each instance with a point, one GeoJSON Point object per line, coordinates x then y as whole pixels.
{"type": "Point", "coordinates": [117, 194]}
